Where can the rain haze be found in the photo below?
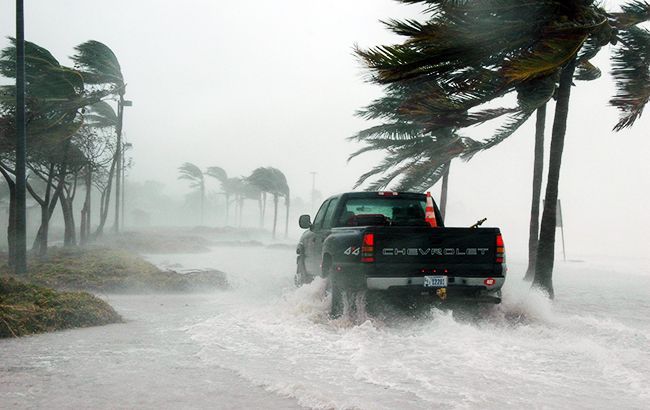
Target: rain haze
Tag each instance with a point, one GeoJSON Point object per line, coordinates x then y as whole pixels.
{"type": "Point", "coordinates": [248, 84]}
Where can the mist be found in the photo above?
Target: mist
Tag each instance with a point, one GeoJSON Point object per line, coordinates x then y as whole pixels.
{"type": "Point", "coordinates": [251, 84]}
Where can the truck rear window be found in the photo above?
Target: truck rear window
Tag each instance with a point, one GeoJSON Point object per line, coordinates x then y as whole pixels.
{"type": "Point", "coordinates": [383, 211]}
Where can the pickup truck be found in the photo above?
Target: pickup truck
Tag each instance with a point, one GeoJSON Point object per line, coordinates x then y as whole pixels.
{"type": "Point", "coordinates": [381, 241]}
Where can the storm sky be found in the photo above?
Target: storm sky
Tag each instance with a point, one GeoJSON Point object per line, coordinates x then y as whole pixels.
{"type": "Point", "coordinates": [274, 83]}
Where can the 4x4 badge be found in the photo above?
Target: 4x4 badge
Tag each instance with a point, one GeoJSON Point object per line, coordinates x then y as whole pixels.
{"type": "Point", "coordinates": [352, 250]}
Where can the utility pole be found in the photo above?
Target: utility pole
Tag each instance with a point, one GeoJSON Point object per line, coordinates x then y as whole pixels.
{"type": "Point", "coordinates": [127, 145]}
{"type": "Point", "coordinates": [21, 144]}
{"type": "Point", "coordinates": [121, 103]}
{"type": "Point", "coordinates": [313, 189]}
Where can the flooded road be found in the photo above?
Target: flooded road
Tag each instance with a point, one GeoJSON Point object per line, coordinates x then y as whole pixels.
{"type": "Point", "coordinates": [265, 344]}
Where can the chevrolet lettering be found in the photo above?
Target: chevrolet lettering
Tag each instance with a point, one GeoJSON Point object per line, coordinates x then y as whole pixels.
{"type": "Point", "coordinates": [434, 251]}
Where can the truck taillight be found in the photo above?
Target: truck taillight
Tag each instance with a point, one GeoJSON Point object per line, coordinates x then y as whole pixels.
{"type": "Point", "coordinates": [368, 248]}
{"type": "Point", "coordinates": [501, 250]}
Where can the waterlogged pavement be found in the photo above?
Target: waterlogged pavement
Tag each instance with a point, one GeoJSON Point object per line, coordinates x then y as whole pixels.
{"type": "Point", "coordinates": [264, 344]}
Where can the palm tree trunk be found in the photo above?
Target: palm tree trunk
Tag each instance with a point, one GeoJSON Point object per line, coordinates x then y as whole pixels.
{"type": "Point", "coordinates": [287, 203]}
{"type": "Point", "coordinates": [263, 210]}
{"type": "Point", "coordinates": [241, 209]}
{"type": "Point", "coordinates": [202, 200]}
{"type": "Point", "coordinates": [546, 246]}
{"type": "Point", "coordinates": [443, 191]}
{"type": "Point", "coordinates": [227, 208]}
{"type": "Point", "coordinates": [275, 213]}
{"type": "Point", "coordinates": [538, 170]}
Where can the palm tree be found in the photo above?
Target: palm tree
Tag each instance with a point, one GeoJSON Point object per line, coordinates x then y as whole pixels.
{"type": "Point", "coordinates": [476, 51]}
{"type": "Point", "coordinates": [194, 174]}
{"type": "Point", "coordinates": [220, 175]}
{"type": "Point", "coordinates": [55, 96]}
{"type": "Point", "coordinates": [273, 181]}
{"type": "Point", "coordinates": [100, 117]}
{"type": "Point", "coordinates": [100, 66]}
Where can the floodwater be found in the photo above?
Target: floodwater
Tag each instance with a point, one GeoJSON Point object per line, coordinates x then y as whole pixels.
{"type": "Point", "coordinates": [265, 344]}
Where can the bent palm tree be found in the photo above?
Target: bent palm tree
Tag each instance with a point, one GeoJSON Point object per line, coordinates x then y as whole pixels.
{"type": "Point", "coordinates": [100, 66]}
{"type": "Point", "coordinates": [220, 175]}
{"type": "Point", "coordinates": [473, 52]}
{"type": "Point", "coordinates": [273, 181]}
{"type": "Point", "coordinates": [192, 173]}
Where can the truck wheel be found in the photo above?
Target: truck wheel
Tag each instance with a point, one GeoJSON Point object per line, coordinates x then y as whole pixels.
{"type": "Point", "coordinates": [336, 306]}
{"type": "Point", "coordinates": [301, 277]}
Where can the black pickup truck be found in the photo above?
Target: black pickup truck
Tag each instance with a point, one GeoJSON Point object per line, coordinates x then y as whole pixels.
{"type": "Point", "coordinates": [381, 241]}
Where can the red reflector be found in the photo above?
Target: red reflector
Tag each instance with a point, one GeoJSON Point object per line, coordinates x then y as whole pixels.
{"type": "Point", "coordinates": [500, 241]}
{"type": "Point", "coordinates": [499, 260]}
{"type": "Point", "coordinates": [368, 259]}
{"type": "Point", "coordinates": [489, 281]}
{"type": "Point", "coordinates": [369, 239]}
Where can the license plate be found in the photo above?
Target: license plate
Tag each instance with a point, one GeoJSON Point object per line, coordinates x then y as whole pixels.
{"type": "Point", "coordinates": [435, 281]}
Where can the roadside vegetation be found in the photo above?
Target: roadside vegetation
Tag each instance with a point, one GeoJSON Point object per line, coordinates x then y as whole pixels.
{"type": "Point", "coordinates": [27, 309]}
{"type": "Point", "coordinates": [107, 270]}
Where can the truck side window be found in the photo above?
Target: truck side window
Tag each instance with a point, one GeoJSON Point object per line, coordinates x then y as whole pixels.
{"type": "Point", "coordinates": [328, 222]}
{"type": "Point", "coordinates": [320, 215]}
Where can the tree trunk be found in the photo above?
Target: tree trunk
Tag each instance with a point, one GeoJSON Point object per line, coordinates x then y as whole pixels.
{"type": "Point", "coordinates": [241, 209]}
{"type": "Point", "coordinates": [546, 246]}
{"type": "Point", "coordinates": [227, 208]}
{"type": "Point", "coordinates": [443, 191]}
{"type": "Point", "coordinates": [202, 201]}
{"type": "Point", "coordinates": [275, 213]}
{"type": "Point", "coordinates": [538, 170]}
{"type": "Point", "coordinates": [263, 210]}
{"type": "Point", "coordinates": [70, 231]}
{"type": "Point", "coordinates": [84, 229]}
{"type": "Point", "coordinates": [287, 203]}
{"type": "Point", "coordinates": [11, 225]}
{"type": "Point", "coordinates": [105, 201]}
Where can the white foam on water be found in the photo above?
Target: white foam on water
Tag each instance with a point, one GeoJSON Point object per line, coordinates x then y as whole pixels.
{"type": "Point", "coordinates": [526, 352]}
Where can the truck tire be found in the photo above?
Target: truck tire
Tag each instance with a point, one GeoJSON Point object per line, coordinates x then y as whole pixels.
{"type": "Point", "coordinates": [301, 277]}
{"type": "Point", "coordinates": [336, 305]}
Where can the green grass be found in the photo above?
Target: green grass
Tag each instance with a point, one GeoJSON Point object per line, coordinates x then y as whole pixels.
{"type": "Point", "coordinates": [26, 309]}
{"type": "Point", "coordinates": [109, 270]}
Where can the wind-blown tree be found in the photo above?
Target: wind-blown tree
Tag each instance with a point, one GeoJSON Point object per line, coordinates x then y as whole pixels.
{"type": "Point", "coordinates": [221, 175]}
{"type": "Point", "coordinates": [272, 180]}
{"type": "Point", "coordinates": [419, 151]}
{"type": "Point", "coordinates": [100, 121]}
{"type": "Point", "coordinates": [474, 52]}
{"type": "Point", "coordinates": [192, 173]}
{"type": "Point", "coordinates": [100, 68]}
{"type": "Point", "coordinates": [55, 97]}
{"type": "Point", "coordinates": [96, 142]}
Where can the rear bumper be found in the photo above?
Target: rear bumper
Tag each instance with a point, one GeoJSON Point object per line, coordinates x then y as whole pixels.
{"type": "Point", "coordinates": [417, 283]}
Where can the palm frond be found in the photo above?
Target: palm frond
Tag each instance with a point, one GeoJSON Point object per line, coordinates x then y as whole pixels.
{"type": "Point", "coordinates": [98, 64]}
{"type": "Point", "coordinates": [631, 72]}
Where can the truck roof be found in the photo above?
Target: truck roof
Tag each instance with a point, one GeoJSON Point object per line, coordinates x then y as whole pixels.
{"type": "Point", "coordinates": [373, 194]}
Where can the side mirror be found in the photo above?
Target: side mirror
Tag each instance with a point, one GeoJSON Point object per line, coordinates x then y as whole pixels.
{"type": "Point", "coordinates": [304, 221]}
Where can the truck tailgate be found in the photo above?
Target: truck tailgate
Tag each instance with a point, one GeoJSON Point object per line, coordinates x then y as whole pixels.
{"type": "Point", "coordinates": [463, 251]}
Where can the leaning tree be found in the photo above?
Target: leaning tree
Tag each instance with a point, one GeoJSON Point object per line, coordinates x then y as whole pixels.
{"type": "Point", "coordinates": [475, 52]}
